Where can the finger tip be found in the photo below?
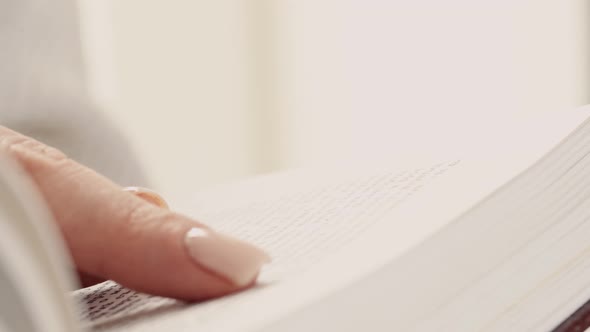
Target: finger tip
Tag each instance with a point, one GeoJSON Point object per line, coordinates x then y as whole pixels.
{"type": "Point", "coordinates": [232, 259]}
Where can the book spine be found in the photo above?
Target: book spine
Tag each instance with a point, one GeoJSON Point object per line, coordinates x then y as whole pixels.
{"type": "Point", "coordinates": [579, 321]}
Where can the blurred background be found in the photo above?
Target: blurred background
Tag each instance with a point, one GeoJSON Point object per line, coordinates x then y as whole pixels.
{"type": "Point", "coordinates": [211, 91]}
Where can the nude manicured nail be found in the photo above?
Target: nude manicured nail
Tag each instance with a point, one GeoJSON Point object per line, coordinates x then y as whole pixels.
{"type": "Point", "coordinates": [235, 260]}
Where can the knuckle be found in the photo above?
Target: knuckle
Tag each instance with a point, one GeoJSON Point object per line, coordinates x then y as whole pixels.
{"type": "Point", "coordinates": [141, 217]}
{"type": "Point", "coordinates": [138, 213]}
{"type": "Point", "coordinates": [26, 149]}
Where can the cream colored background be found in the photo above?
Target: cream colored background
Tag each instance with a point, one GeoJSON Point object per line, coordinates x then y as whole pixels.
{"type": "Point", "coordinates": [210, 91]}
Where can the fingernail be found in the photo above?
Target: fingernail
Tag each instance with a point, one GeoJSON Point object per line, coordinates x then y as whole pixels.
{"type": "Point", "coordinates": [235, 260]}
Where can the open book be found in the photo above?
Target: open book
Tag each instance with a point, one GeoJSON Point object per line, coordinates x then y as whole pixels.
{"type": "Point", "coordinates": [495, 240]}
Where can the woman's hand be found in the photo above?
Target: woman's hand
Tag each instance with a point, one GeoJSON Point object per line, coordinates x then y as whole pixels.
{"type": "Point", "coordinates": [113, 234]}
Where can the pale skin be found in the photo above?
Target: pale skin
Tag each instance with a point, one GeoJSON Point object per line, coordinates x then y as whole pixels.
{"type": "Point", "coordinates": [124, 236]}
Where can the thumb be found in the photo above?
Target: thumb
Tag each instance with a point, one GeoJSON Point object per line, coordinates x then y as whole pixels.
{"type": "Point", "coordinates": [116, 235]}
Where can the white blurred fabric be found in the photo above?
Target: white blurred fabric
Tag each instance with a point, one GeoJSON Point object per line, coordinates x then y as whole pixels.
{"type": "Point", "coordinates": [43, 88]}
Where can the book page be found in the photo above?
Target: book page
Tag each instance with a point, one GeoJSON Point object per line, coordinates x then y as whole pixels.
{"type": "Point", "coordinates": [301, 225]}
{"type": "Point", "coordinates": [33, 275]}
{"type": "Point", "coordinates": [14, 315]}
{"type": "Point", "coordinates": [324, 231]}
